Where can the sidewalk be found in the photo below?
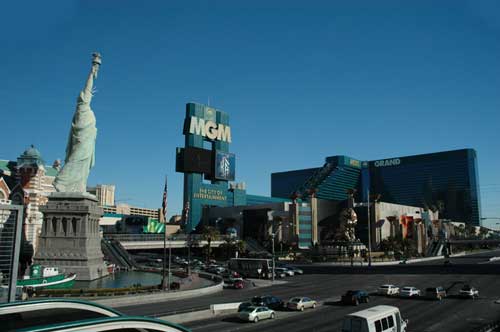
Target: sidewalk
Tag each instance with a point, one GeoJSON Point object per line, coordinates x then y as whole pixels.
{"type": "Point", "coordinates": [388, 263]}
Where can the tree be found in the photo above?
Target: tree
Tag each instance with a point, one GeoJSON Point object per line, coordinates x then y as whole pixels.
{"type": "Point", "coordinates": [209, 234]}
{"type": "Point", "coordinates": [483, 232]}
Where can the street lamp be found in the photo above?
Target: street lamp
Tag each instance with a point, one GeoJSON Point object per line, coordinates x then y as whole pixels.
{"type": "Point", "coordinates": [274, 265]}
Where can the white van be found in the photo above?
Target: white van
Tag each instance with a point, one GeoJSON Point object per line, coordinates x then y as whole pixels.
{"type": "Point", "coordinates": [380, 318]}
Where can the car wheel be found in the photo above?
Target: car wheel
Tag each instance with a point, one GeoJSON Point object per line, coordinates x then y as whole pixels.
{"type": "Point", "coordinates": [273, 315]}
{"type": "Point", "coordinates": [302, 308]}
{"type": "Point", "coordinates": [314, 305]}
{"type": "Point", "coordinates": [367, 299]}
{"type": "Point", "coordinates": [256, 319]}
{"type": "Point", "coordinates": [356, 302]}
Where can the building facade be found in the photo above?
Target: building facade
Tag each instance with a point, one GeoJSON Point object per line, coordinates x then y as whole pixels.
{"type": "Point", "coordinates": [105, 194]}
{"type": "Point", "coordinates": [444, 181]}
{"type": "Point", "coordinates": [207, 164]}
{"type": "Point", "coordinates": [28, 182]}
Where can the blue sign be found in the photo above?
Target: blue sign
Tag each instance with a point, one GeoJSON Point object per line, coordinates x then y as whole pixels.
{"type": "Point", "coordinates": [224, 166]}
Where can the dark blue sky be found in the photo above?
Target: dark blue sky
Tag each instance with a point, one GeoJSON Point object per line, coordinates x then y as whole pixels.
{"type": "Point", "coordinates": [300, 80]}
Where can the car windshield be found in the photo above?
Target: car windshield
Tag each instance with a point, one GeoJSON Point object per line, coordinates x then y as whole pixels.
{"type": "Point", "coordinates": [407, 288]}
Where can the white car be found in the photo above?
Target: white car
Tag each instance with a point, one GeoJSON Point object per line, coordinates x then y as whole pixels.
{"type": "Point", "coordinates": [254, 314]}
{"type": "Point", "coordinates": [388, 290]}
{"type": "Point", "coordinates": [286, 271]}
{"type": "Point", "coordinates": [409, 292]}
{"type": "Point", "coordinates": [468, 291]}
{"type": "Point", "coordinates": [301, 303]}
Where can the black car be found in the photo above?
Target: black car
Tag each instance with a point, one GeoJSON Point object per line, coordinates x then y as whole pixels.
{"type": "Point", "coordinates": [355, 297]}
{"type": "Point", "coordinates": [272, 302]}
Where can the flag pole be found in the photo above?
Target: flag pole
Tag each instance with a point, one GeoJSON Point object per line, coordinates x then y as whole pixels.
{"type": "Point", "coordinates": [165, 285]}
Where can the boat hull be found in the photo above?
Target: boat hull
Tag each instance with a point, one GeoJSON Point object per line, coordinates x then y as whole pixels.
{"type": "Point", "coordinates": [55, 282]}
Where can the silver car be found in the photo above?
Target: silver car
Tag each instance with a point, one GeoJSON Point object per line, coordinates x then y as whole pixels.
{"type": "Point", "coordinates": [254, 314]}
{"type": "Point", "coordinates": [301, 303]}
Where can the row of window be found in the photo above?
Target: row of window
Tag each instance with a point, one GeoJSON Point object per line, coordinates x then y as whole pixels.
{"type": "Point", "coordinates": [384, 324]}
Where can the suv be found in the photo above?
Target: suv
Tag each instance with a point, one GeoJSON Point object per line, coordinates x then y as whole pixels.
{"type": "Point", "coordinates": [355, 297]}
{"type": "Point", "coordinates": [435, 293]}
{"type": "Point", "coordinates": [271, 302]}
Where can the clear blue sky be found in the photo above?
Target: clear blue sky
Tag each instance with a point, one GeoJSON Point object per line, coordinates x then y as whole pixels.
{"type": "Point", "coordinates": [300, 80]}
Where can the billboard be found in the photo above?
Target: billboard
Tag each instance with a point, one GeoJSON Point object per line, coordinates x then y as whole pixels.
{"type": "Point", "coordinates": [224, 166]}
{"type": "Point", "coordinates": [194, 160]}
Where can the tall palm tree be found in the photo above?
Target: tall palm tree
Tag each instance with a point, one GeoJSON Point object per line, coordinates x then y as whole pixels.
{"type": "Point", "coordinates": [209, 234]}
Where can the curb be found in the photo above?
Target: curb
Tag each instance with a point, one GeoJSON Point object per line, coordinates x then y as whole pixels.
{"type": "Point", "coordinates": [152, 298]}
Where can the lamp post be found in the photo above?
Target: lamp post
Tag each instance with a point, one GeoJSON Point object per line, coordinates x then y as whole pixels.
{"type": "Point", "coordinates": [369, 228]}
{"type": "Point", "coordinates": [169, 261]}
{"type": "Point", "coordinates": [274, 265]}
{"type": "Point", "coordinates": [164, 283]}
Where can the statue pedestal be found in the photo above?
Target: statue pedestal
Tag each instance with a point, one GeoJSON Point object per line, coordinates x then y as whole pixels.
{"type": "Point", "coordinates": [70, 238]}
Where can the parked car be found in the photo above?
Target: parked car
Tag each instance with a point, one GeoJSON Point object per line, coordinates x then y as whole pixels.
{"type": "Point", "coordinates": [409, 292]}
{"type": "Point", "coordinates": [434, 293]}
{"type": "Point", "coordinates": [375, 319]}
{"type": "Point", "coordinates": [284, 270]}
{"type": "Point", "coordinates": [271, 302]}
{"type": "Point", "coordinates": [279, 273]}
{"type": "Point", "coordinates": [388, 290]}
{"type": "Point", "coordinates": [469, 292]}
{"type": "Point", "coordinates": [254, 314]}
{"type": "Point", "coordinates": [295, 270]}
{"type": "Point", "coordinates": [216, 270]}
{"type": "Point", "coordinates": [355, 297]}
{"type": "Point", "coordinates": [301, 303]}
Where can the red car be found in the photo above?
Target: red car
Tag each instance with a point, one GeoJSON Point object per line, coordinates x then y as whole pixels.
{"type": "Point", "coordinates": [238, 284]}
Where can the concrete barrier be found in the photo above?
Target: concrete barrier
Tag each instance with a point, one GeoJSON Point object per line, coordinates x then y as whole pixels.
{"type": "Point", "coordinates": [189, 316]}
{"type": "Point", "coordinates": [120, 301]}
{"type": "Point", "coordinates": [216, 308]}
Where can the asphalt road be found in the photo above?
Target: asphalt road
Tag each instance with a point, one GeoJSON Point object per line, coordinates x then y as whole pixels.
{"type": "Point", "coordinates": [327, 283]}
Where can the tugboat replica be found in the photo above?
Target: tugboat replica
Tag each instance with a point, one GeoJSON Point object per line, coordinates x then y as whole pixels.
{"type": "Point", "coordinates": [47, 278]}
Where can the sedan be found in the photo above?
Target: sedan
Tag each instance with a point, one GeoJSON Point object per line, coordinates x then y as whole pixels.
{"type": "Point", "coordinates": [295, 270]}
{"type": "Point", "coordinates": [468, 291]}
{"type": "Point", "coordinates": [409, 292]}
{"type": "Point", "coordinates": [284, 270]}
{"type": "Point", "coordinates": [301, 303]}
{"type": "Point", "coordinates": [254, 314]}
{"type": "Point", "coordinates": [388, 290]}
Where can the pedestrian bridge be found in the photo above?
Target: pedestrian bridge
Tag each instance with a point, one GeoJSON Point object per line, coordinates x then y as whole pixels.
{"type": "Point", "coordinates": [156, 241]}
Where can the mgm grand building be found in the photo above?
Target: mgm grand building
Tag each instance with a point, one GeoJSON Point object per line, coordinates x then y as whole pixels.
{"type": "Point", "coordinates": [408, 196]}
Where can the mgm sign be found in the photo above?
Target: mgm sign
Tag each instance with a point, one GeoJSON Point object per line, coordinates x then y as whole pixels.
{"type": "Point", "coordinates": [205, 160]}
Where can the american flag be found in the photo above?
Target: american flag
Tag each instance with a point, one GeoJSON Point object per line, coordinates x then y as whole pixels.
{"type": "Point", "coordinates": [164, 203]}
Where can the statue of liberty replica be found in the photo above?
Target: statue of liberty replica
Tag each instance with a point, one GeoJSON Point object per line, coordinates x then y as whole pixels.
{"type": "Point", "coordinates": [80, 151]}
{"type": "Point", "coordinates": [70, 238]}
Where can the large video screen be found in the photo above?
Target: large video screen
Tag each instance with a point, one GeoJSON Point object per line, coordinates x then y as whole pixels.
{"type": "Point", "coordinates": [194, 160]}
{"type": "Point", "coordinates": [224, 166]}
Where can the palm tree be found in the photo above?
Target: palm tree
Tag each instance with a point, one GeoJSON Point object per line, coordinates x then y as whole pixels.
{"type": "Point", "coordinates": [209, 234]}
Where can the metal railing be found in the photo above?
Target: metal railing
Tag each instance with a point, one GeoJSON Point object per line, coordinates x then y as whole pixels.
{"type": "Point", "coordinates": [159, 237]}
{"type": "Point", "coordinates": [11, 221]}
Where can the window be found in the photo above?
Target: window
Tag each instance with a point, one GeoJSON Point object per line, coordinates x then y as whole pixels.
{"type": "Point", "coordinates": [378, 326]}
{"type": "Point", "coordinates": [391, 321]}
{"type": "Point", "coordinates": [385, 324]}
